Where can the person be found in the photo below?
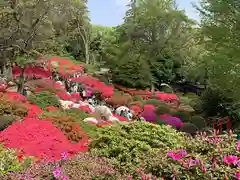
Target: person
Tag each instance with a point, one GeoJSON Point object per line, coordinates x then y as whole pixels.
{"type": "Point", "coordinates": [88, 93]}
{"type": "Point", "coordinates": [83, 94]}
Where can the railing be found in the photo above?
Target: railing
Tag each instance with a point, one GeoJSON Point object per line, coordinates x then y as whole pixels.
{"type": "Point", "coordinates": [219, 124]}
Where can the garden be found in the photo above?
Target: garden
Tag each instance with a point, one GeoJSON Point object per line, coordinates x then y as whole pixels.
{"type": "Point", "coordinates": [53, 134]}
{"type": "Point", "coordinates": [155, 97]}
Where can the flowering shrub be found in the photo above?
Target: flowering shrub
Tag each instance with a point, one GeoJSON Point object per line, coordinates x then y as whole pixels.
{"type": "Point", "coordinates": [96, 85]}
{"type": "Point", "coordinates": [39, 139]}
{"type": "Point", "coordinates": [149, 115]}
{"type": "Point", "coordinates": [15, 97]}
{"type": "Point", "coordinates": [201, 158]}
{"type": "Point", "coordinates": [172, 121]}
{"type": "Point", "coordinates": [44, 85]}
{"type": "Point", "coordinates": [44, 99]}
{"type": "Point", "coordinates": [83, 166]}
{"type": "Point", "coordinates": [127, 144]}
{"type": "Point", "coordinates": [31, 71]}
{"type": "Point", "coordinates": [67, 125]}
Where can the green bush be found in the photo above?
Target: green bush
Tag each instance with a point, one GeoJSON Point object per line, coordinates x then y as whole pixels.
{"type": "Point", "coordinates": [183, 115]}
{"type": "Point", "coordinates": [198, 121]}
{"type": "Point", "coordinates": [10, 108]}
{"type": "Point", "coordinates": [126, 144]}
{"type": "Point", "coordinates": [44, 99]}
{"type": "Point", "coordinates": [5, 121]}
{"type": "Point", "coordinates": [189, 128]}
{"type": "Point", "coordinates": [213, 103]}
{"type": "Point", "coordinates": [154, 102]}
{"type": "Point", "coordinates": [163, 109]}
{"type": "Point", "coordinates": [9, 161]}
{"type": "Point", "coordinates": [76, 115]}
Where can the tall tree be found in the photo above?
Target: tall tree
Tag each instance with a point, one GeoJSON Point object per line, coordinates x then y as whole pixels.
{"type": "Point", "coordinates": [160, 33]}
{"type": "Point", "coordinates": [221, 37]}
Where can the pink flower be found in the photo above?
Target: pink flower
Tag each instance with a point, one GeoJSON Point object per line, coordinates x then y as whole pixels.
{"type": "Point", "coordinates": [64, 178]}
{"type": "Point", "coordinates": [230, 159]}
{"type": "Point", "coordinates": [238, 146]}
{"type": "Point", "coordinates": [237, 175]}
{"type": "Point", "coordinates": [177, 155]}
{"type": "Point", "coordinates": [64, 156]}
{"type": "Point", "coordinates": [57, 173]}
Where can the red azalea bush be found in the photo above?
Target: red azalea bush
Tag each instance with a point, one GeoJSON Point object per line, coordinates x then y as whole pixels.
{"type": "Point", "coordinates": [85, 109]}
{"type": "Point", "coordinates": [75, 97]}
{"type": "Point", "coordinates": [44, 85]}
{"type": "Point", "coordinates": [31, 71]}
{"type": "Point", "coordinates": [64, 96]}
{"type": "Point", "coordinates": [63, 66]}
{"type": "Point", "coordinates": [67, 125]}
{"type": "Point", "coordinates": [40, 139]}
{"type": "Point", "coordinates": [15, 97]}
{"type": "Point", "coordinates": [136, 109]}
{"type": "Point", "coordinates": [149, 107]}
{"type": "Point", "coordinates": [33, 110]}
{"type": "Point", "coordinates": [96, 85]}
{"type": "Point", "coordinates": [146, 94]}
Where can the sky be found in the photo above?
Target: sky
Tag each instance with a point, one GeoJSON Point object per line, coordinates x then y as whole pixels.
{"type": "Point", "coordinates": [111, 12]}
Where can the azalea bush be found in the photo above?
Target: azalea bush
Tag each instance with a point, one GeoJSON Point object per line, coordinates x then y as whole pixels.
{"type": "Point", "coordinates": [73, 118]}
{"type": "Point", "coordinates": [126, 144]}
{"type": "Point", "coordinates": [44, 99]}
{"type": "Point", "coordinates": [66, 124]}
{"type": "Point", "coordinates": [202, 157]}
{"type": "Point", "coordinates": [83, 166]}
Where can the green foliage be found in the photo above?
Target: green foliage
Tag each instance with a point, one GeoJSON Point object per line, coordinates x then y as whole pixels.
{"type": "Point", "coordinates": [44, 99]}
{"type": "Point", "coordinates": [198, 121]}
{"type": "Point", "coordinates": [131, 71]}
{"type": "Point", "coordinates": [213, 102]}
{"type": "Point", "coordinates": [5, 121]}
{"type": "Point", "coordinates": [14, 109]}
{"type": "Point", "coordinates": [163, 109]}
{"type": "Point", "coordinates": [189, 128]}
{"type": "Point", "coordinates": [126, 144]}
{"type": "Point", "coordinates": [185, 116]}
{"type": "Point", "coordinates": [74, 116]}
{"type": "Point", "coordinates": [9, 161]}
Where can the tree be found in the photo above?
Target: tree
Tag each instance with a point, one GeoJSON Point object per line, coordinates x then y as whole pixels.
{"type": "Point", "coordinates": [221, 37]}
{"type": "Point", "coordinates": [160, 34]}
{"type": "Point", "coordinates": [30, 28]}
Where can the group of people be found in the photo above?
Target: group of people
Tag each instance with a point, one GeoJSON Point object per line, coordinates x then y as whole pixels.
{"type": "Point", "coordinates": [89, 96]}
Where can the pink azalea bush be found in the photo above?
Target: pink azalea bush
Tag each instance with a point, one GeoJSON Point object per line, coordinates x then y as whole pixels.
{"type": "Point", "coordinates": [171, 120]}
{"type": "Point", "coordinates": [201, 157]}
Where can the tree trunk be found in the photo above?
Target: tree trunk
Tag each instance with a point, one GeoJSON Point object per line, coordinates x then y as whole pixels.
{"type": "Point", "coordinates": [153, 89]}
{"type": "Point", "coordinates": [21, 82]}
{"type": "Point", "coordinates": [86, 52]}
{"type": "Point", "coordinates": [8, 71]}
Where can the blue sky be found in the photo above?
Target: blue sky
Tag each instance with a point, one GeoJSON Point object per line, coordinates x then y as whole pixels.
{"type": "Point", "coordinates": [111, 12]}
